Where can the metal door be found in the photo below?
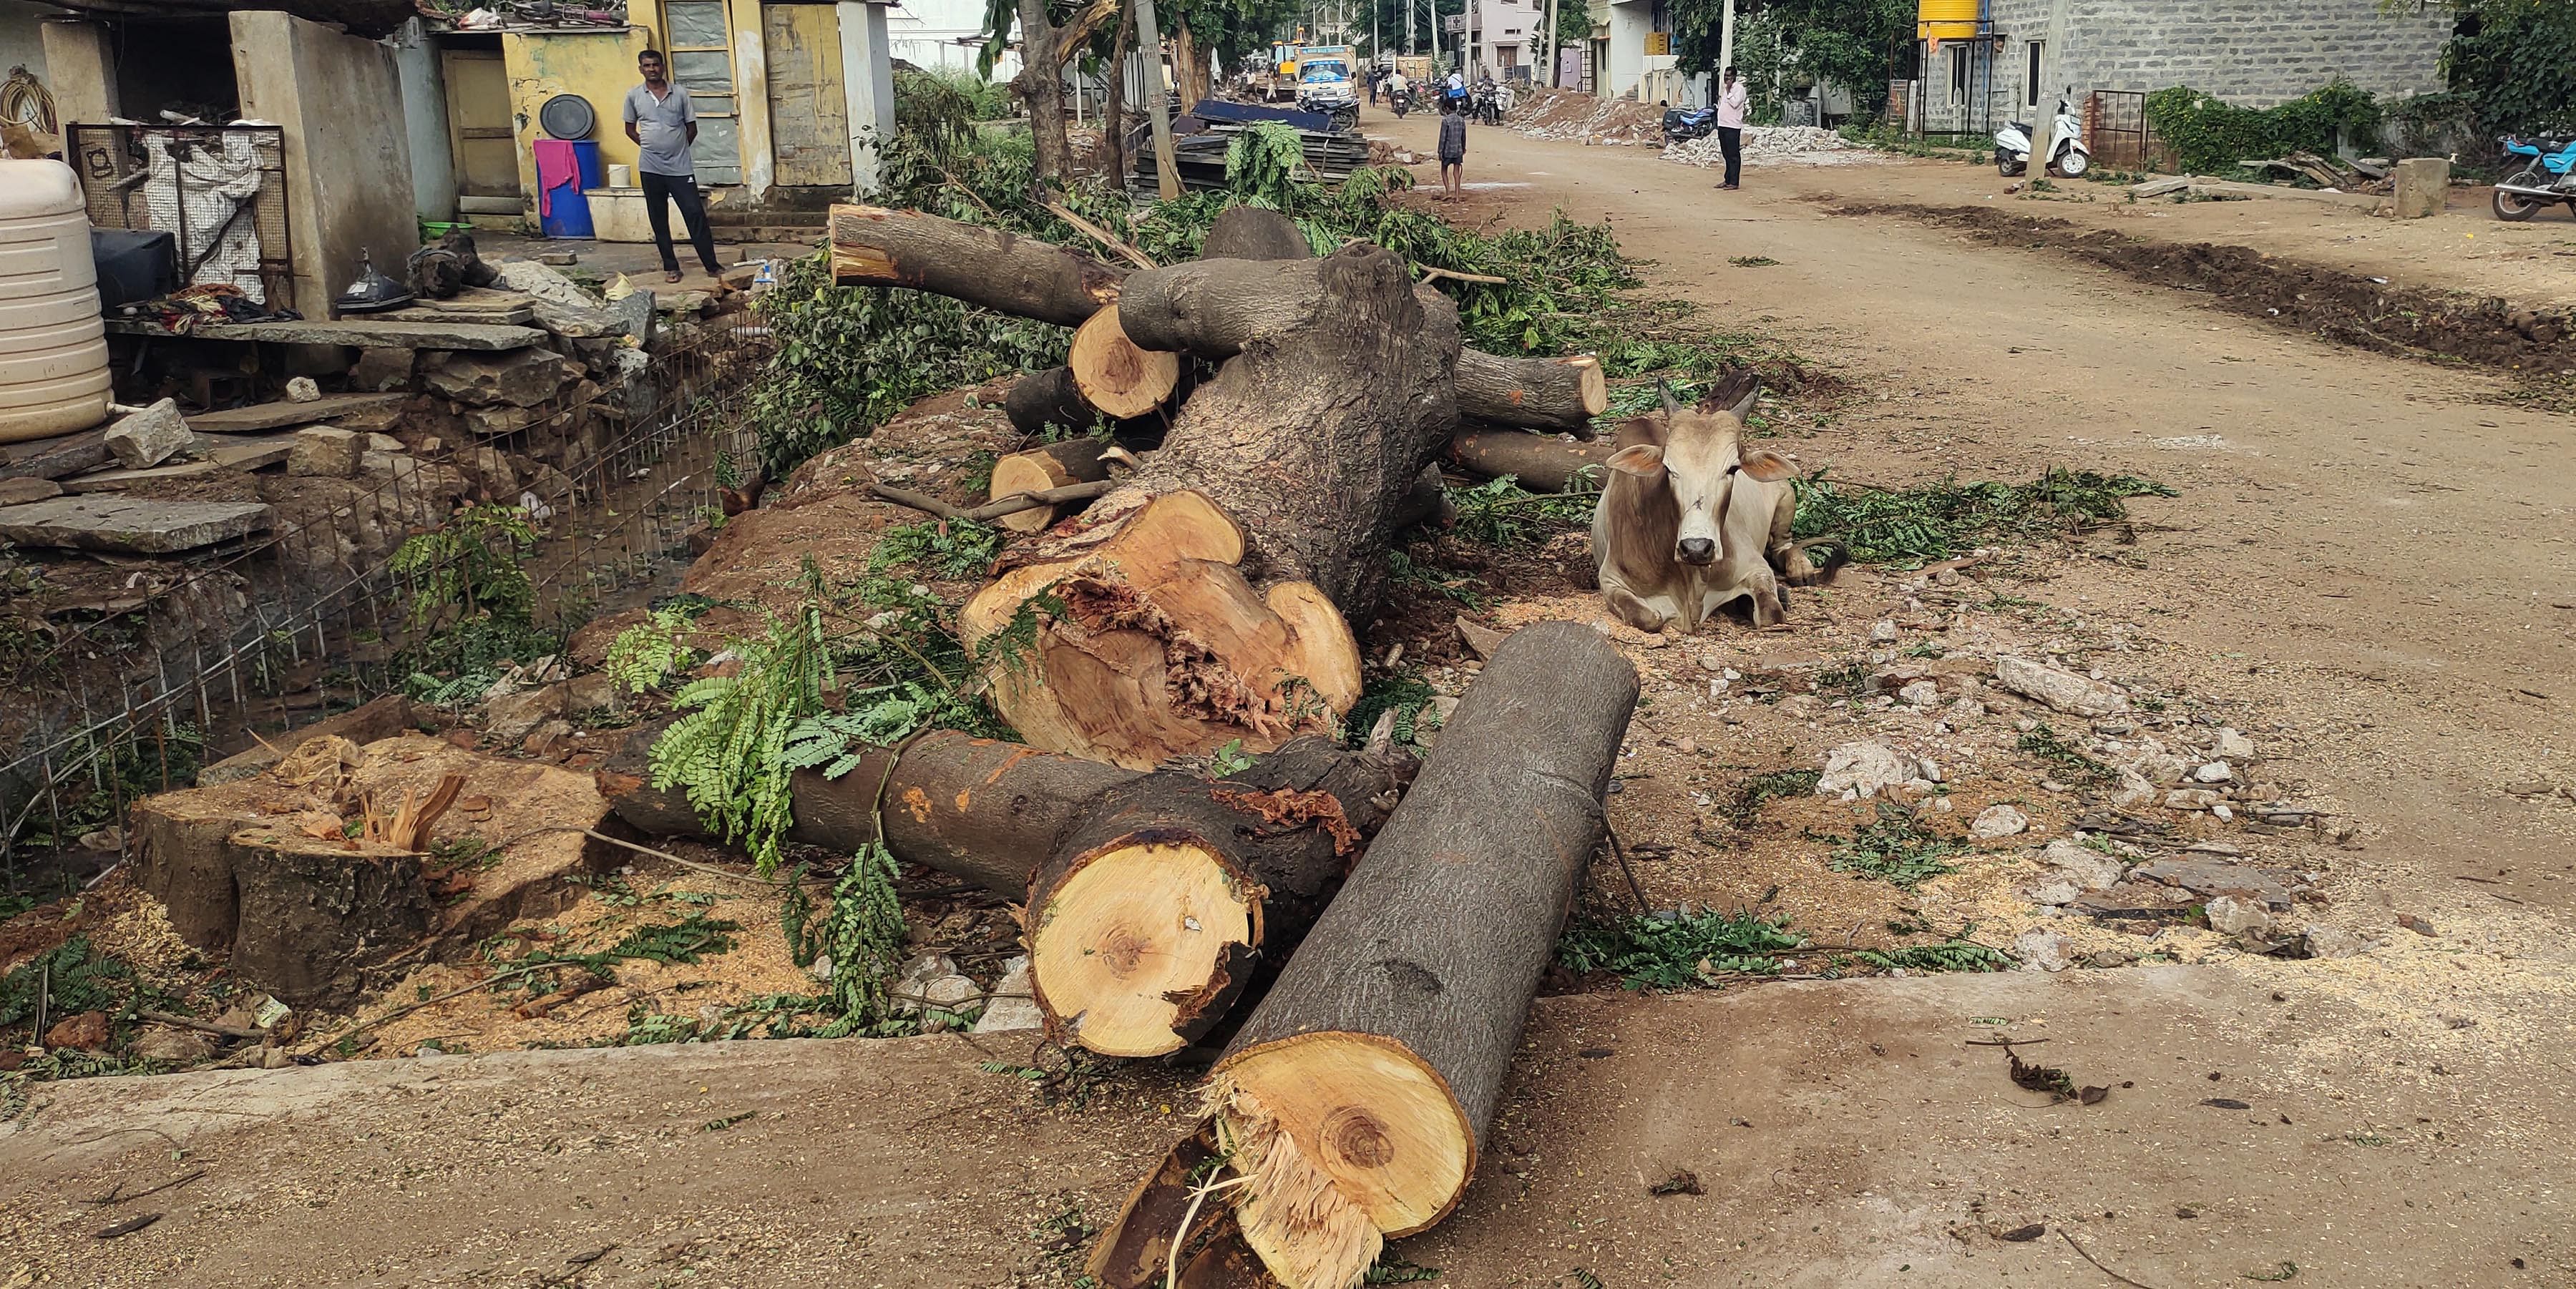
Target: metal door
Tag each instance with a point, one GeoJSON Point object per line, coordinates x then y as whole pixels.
{"type": "Point", "coordinates": [809, 115]}
{"type": "Point", "coordinates": [479, 129]}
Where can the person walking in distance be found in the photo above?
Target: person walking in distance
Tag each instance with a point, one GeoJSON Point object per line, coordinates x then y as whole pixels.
{"type": "Point", "coordinates": [1453, 148]}
{"type": "Point", "coordinates": [663, 124]}
{"type": "Point", "coordinates": [1731, 99]}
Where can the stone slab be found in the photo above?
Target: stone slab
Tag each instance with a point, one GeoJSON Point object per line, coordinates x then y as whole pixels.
{"type": "Point", "coordinates": [391, 332]}
{"type": "Point", "coordinates": [214, 451]}
{"type": "Point", "coordinates": [130, 525]}
{"type": "Point", "coordinates": [279, 415]}
{"type": "Point", "coordinates": [55, 457]}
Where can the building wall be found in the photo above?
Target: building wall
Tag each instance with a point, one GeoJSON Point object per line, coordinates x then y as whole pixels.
{"type": "Point", "coordinates": [348, 170]}
{"type": "Point", "coordinates": [424, 106]}
{"type": "Point", "coordinates": [1629, 22]}
{"type": "Point", "coordinates": [2256, 53]}
{"type": "Point", "coordinates": [22, 40]}
{"type": "Point", "coordinates": [598, 65]}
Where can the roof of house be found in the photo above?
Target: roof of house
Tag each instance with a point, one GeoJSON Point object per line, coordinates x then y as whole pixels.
{"type": "Point", "coordinates": [368, 18]}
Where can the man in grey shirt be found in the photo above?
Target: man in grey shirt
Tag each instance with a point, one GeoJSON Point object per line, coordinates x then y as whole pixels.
{"type": "Point", "coordinates": [663, 124]}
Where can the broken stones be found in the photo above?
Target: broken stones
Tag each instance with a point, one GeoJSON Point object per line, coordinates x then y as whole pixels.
{"type": "Point", "coordinates": [2329, 942]}
{"type": "Point", "coordinates": [301, 389]}
{"type": "Point", "coordinates": [516, 378]}
{"type": "Point", "coordinates": [382, 370]}
{"type": "Point", "coordinates": [2060, 689]}
{"type": "Point", "coordinates": [1862, 769]}
{"type": "Point", "coordinates": [2043, 950]}
{"type": "Point", "coordinates": [326, 453]}
{"type": "Point", "coordinates": [2073, 870]}
{"type": "Point", "coordinates": [1013, 1005]}
{"type": "Point", "coordinates": [2193, 799]}
{"type": "Point", "coordinates": [2232, 746]}
{"type": "Point", "coordinates": [1883, 631]}
{"type": "Point", "coordinates": [932, 980]}
{"type": "Point", "coordinates": [151, 436]}
{"type": "Point", "coordinates": [2237, 916]}
{"type": "Point", "coordinates": [2212, 878]}
{"type": "Point", "coordinates": [1920, 693]}
{"type": "Point", "coordinates": [1998, 820]}
{"type": "Point", "coordinates": [18, 492]}
{"type": "Point", "coordinates": [2214, 772]}
{"type": "Point", "coordinates": [172, 1046]}
{"type": "Point", "coordinates": [87, 1031]}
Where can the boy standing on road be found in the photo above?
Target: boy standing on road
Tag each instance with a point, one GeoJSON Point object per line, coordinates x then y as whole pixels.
{"type": "Point", "coordinates": [1453, 148]}
{"type": "Point", "coordinates": [663, 124]}
{"type": "Point", "coordinates": [1731, 100]}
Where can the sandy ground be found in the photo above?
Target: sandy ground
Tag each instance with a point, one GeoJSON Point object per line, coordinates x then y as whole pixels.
{"type": "Point", "coordinates": [2368, 568]}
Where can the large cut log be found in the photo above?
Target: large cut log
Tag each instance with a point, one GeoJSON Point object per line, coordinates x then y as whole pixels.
{"type": "Point", "coordinates": [1114, 376]}
{"type": "Point", "coordinates": [1254, 233]}
{"type": "Point", "coordinates": [1160, 902]}
{"type": "Point", "coordinates": [1356, 1096]}
{"type": "Point", "coordinates": [1208, 599]}
{"type": "Point", "coordinates": [977, 809]}
{"type": "Point", "coordinates": [1017, 275]}
{"type": "Point", "coordinates": [1534, 393]}
{"type": "Point", "coordinates": [1053, 465]}
{"type": "Point", "coordinates": [1539, 462]}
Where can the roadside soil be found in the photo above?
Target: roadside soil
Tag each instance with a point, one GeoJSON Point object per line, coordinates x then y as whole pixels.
{"type": "Point", "coordinates": [2367, 571]}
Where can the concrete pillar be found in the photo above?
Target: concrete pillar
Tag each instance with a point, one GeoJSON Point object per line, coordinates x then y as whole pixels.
{"type": "Point", "coordinates": [751, 96]}
{"type": "Point", "coordinates": [80, 70]}
{"type": "Point", "coordinates": [2423, 186]}
{"type": "Point", "coordinates": [867, 79]}
{"type": "Point", "coordinates": [424, 105]}
{"type": "Point", "coordinates": [348, 173]}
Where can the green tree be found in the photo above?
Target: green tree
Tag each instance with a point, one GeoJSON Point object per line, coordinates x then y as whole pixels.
{"type": "Point", "coordinates": [2515, 62]}
{"type": "Point", "coordinates": [1792, 44]}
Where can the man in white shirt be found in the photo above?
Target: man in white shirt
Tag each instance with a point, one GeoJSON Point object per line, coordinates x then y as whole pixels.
{"type": "Point", "coordinates": [1731, 100]}
{"type": "Point", "coordinates": [663, 124]}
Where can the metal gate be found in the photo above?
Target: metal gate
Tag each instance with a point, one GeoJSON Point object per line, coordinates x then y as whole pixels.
{"type": "Point", "coordinates": [218, 190]}
{"type": "Point", "coordinates": [2115, 128]}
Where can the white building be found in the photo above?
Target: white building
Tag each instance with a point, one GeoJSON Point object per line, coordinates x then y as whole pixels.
{"type": "Point", "coordinates": [944, 33]}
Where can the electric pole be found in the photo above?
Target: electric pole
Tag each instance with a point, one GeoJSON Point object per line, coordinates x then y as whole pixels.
{"type": "Point", "coordinates": [1726, 38]}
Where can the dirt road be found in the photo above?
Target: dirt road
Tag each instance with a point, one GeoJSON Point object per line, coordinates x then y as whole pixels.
{"type": "Point", "coordinates": [2366, 553]}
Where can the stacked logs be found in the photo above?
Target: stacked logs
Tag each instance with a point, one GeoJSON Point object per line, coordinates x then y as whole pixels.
{"type": "Point", "coordinates": [1275, 417]}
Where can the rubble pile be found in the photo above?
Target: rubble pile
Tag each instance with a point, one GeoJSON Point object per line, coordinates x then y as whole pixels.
{"type": "Point", "coordinates": [1774, 145]}
{"type": "Point", "coordinates": [1568, 114]}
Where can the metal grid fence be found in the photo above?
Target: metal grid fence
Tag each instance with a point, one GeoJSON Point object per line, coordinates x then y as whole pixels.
{"type": "Point", "coordinates": [301, 624]}
{"type": "Point", "coordinates": [218, 190]}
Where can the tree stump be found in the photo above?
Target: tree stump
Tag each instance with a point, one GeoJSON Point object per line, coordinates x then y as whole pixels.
{"type": "Point", "coordinates": [317, 913]}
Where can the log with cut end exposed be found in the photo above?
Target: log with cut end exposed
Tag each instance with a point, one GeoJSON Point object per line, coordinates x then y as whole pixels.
{"type": "Point", "coordinates": [1161, 901]}
{"type": "Point", "coordinates": [975, 808]}
{"type": "Point", "coordinates": [1533, 393]}
{"type": "Point", "coordinates": [1539, 462]}
{"type": "Point", "coordinates": [1051, 466]}
{"type": "Point", "coordinates": [1022, 276]}
{"type": "Point", "coordinates": [1115, 377]}
{"type": "Point", "coordinates": [1355, 1098]}
{"type": "Point", "coordinates": [1205, 600]}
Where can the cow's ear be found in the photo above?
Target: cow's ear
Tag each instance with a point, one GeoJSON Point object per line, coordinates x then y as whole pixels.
{"type": "Point", "coordinates": [1767, 467]}
{"type": "Point", "coordinates": [1644, 460]}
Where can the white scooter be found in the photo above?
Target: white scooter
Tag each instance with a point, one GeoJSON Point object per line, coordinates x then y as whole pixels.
{"type": "Point", "coordinates": [2071, 157]}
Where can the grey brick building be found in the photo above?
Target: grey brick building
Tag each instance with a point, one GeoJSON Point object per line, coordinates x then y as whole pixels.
{"type": "Point", "coordinates": [2251, 52]}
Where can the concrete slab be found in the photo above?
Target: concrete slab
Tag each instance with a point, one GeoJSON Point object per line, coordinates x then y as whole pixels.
{"type": "Point", "coordinates": [215, 452]}
{"type": "Point", "coordinates": [138, 527]}
{"type": "Point", "coordinates": [279, 415]}
{"type": "Point", "coordinates": [386, 333]}
{"type": "Point", "coordinates": [55, 457]}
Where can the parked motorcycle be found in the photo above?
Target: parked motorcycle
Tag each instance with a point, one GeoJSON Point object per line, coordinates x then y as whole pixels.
{"type": "Point", "coordinates": [2069, 157]}
{"type": "Point", "coordinates": [2549, 175]}
{"type": "Point", "coordinates": [1490, 103]}
{"type": "Point", "coordinates": [1682, 124]}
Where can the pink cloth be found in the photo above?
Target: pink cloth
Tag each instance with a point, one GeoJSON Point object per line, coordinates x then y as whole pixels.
{"type": "Point", "coordinates": [556, 166]}
{"type": "Point", "coordinates": [1730, 107]}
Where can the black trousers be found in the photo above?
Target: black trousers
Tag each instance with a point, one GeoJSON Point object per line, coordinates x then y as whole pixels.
{"type": "Point", "coordinates": [682, 190]}
{"type": "Point", "coordinates": [1730, 140]}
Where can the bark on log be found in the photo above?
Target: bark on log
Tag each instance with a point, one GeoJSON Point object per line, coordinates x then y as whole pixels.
{"type": "Point", "coordinates": [1205, 600]}
{"type": "Point", "coordinates": [1542, 463]}
{"type": "Point", "coordinates": [1051, 466]}
{"type": "Point", "coordinates": [1534, 393]}
{"type": "Point", "coordinates": [318, 913]}
{"type": "Point", "coordinates": [1427, 502]}
{"type": "Point", "coordinates": [1048, 399]}
{"type": "Point", "coordinates": [1021, 276]}
{"type": "Point", "coordinates": [1254, 233]}
{"type": "Point", "coordinates": [977, 809]}
{"type": "Point", "coordinates": [1156, 907]}
{"type": "Point", "coordinates": [1357, 1094]}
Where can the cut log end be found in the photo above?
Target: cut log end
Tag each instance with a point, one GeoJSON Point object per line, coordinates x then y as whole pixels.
{"type": "Point", "coordinates": [1345, 1140]}
{"type": "Point", "coordinates": [1156, 645]}
{"type": "Point", "coordinates": [1115, 376]}
{"type": "Point", "coordinates": [1140, 946]}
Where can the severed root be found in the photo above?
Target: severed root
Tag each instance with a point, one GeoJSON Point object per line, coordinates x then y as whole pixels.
{"type": "Point", "coordinates": [1290, 1210]}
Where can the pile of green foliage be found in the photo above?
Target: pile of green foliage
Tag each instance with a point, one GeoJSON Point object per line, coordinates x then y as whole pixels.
{"type": "Point", "coordinates": [469, 604]}
{"type": "Point", "coordinates": [1895, 849]}
{"type": "Point", "coordinates": [1677, 950]}
{"type": "Point", "coordinates": [2212, 137]}
{"type": "Point", "coordinates": [1937, 521]}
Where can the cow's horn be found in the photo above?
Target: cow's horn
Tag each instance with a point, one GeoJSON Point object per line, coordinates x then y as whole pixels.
{"type": "Point", "coordinates": [1672, 405]}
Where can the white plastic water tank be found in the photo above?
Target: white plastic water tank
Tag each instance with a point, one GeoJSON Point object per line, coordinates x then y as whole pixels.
{"type": "Point", "coordinates": [53, 346]}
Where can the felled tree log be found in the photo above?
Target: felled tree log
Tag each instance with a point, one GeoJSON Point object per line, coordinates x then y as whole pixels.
{"type": "Point", "coordinates": [1534, 393]}
{"type": "Point", "coordinates": [1022, 276]}
{"type": "Point", "coordinates": [1356, 1096]}
{"type": "Point", "coordinates": [1205, 600]}
{"type": "Point", "coordinates": [1149, 918]}
{"type": "Point", "coordinates": [977, 809]}
{"type": "Point", "coordinates": [1254, 233]}
{"type": "Point", "coordinates": [1541, 463]}
{"type": "Point", "coordinates": [1113, 375]}
{"type": "Point", "coordinates": [1050, 466]}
